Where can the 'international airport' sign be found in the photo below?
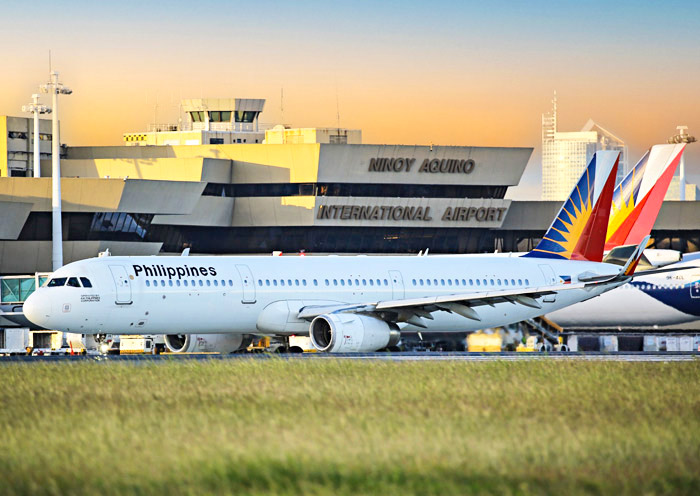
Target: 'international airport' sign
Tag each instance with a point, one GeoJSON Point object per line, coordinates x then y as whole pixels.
{"type": "Point", "coordinates": [434, 212]}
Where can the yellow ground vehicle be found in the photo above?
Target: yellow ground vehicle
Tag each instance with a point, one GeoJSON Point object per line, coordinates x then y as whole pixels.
{"type": "Point", "coordinates": [484, 342]}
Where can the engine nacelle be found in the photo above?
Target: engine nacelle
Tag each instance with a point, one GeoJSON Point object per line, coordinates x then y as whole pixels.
{"type": "Point", "coordinates": [217, 343]}
{"type": "Point", "coordinates": [348, 332]}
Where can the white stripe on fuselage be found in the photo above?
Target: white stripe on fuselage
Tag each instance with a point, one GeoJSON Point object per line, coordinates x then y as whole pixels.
{"type": "Point", "coordinates": [224, 308]}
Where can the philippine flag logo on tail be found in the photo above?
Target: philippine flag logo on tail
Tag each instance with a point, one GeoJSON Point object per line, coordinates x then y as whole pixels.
{"type": "Point", "coordinates": [565, 279]}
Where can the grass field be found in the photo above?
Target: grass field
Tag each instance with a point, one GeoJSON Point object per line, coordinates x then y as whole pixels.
{"type": "Point", "coordinates": [350, 427]}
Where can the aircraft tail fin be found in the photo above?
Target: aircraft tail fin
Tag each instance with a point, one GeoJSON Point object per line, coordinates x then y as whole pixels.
{"type": "Point", "coordinates": [638, 198]}
{"type": "Point", "coordinates": [578, 232]}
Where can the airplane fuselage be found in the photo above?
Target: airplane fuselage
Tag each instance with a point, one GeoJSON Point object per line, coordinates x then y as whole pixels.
{"type": "Point", "coordinates": [248, 294]}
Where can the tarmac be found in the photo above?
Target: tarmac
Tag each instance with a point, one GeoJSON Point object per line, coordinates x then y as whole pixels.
{"type": "Point", "coordinates": [395, 357]}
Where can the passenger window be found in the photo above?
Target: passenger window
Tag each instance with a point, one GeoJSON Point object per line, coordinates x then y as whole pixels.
{"type": "Point", "coordinates": [296, 282]}
{"type": "Point", "coordinates": [478, 283]}
{"type": "Point", "coordinates": [357, 282]}
{"type": "Point", "coordinates": [185, 282]}
{"type": "Point", "coordinates": [216, 283]}
{"type": "Point", "coordinates": [427, 281]}
{"type": "Point", "coordinates": [170, 282]}
{"type": "Point", "coordinates": [208, 282]}
{"type": "Point", "coordinates": [267, 282]}
{"type": "Point", "coordinates": [178, 283]}
{"type": "Point", "coordinates": [491, 282]}
{"type": "Point", "coordinates": [148, 283]}
{"type": "Point", "coordinates": [371, 282]}
{"type": "Point", "coordinates": [471, 282]}
{"type": "Point", "coordinates": [386, 283]}
{"type": "Point", "coordinates": [527, 282]}
{"type": "Point", "coordinates": [155, 283]}
{"type": "Point", "coordinates": [73, 282]}
{"type": "Point", "coordinates": [274, 282]}
{"type": "Point", "coordinates": [498, 281]}
{"type": "Point", "coordinates": [303, 282]}
{"type": "Point", "coordinates": [230, 282]}
{"type": "Point", "coordinates": [442, 282]}
{"type": "Point", "coordinates": [435, 282]}
{"type": "Point", "coordinates": [86, 282]}
{"type": "Point", "coordinates": [449, 282]}
{"type": "Point", "coordinates": [289, 282]}
{"type": "Point", "coordinates": [281, 282]}
{"type": "Point", "coordinates": [485, 282]}
{"type": "Point", "coordinates": [327, 283]}
{"type": "Point", "coordinates": [512, 282]}
{"type": "Point", "coordinates": [201, 283]}
{"type": "Point", "coordinates": [505, 281]}
{"type": "Point", "coordinates": [420, 281]}
{"type": "Point", "coordinates": [259, 282]}
{"type": "Point", "coordinates": [364, 282]}
{"type": "Point", "coordinates": [335, 282]}
{"type": "Point", "coordinates": [342, 282]}
{"type": "Point", "coordinates": [414, 282]}
{"type": "Point", "coordinates": [162, 283]}
{"type": "Point", "coordinates": [315, 282]}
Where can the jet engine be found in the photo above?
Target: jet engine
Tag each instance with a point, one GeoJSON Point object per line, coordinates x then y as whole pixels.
{"type": "Point", "coordinates": [194, 343]}
{"type": "Point", "coordinates": [348, 332]}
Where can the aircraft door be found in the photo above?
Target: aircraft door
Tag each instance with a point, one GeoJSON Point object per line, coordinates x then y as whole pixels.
{"type": "Point", "coordinates": [550, 279]}
{"type": "Point", "coordinates": [122, 284]}
{"type": "Point", "coordinates": [248, 283]}
{"type": "Point", "coordinates": [397, 288]}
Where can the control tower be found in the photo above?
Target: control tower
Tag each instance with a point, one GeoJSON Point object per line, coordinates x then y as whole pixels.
{"type": "Point", "coordinates": [208, 121]}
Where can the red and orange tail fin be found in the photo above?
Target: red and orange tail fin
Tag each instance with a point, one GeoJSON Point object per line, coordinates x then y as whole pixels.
{"type": "Point", "coordinates": [638, 198]}
{"type": "Point", "coordinates": [578, 232]}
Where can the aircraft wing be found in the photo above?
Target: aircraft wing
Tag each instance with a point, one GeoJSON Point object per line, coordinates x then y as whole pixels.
{"type": "Point", "coordinates": [412, 310]}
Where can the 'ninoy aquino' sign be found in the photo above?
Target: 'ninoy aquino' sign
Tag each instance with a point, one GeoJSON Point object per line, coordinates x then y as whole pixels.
{"type": "Point", "coordinates": [430, 166]}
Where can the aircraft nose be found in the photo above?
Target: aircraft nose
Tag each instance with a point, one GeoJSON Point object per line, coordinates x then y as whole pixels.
{"type": "Point", "coordinates": [37, 309]}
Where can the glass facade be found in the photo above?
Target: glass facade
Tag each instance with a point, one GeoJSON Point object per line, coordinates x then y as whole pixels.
{"type": "Point", "coordinates": [110, 226]}
{"type": "Point", "coordinates": [565, 155]}
{"type": "Point", "coordinates": [354, 189]}
{"type": "Point", "coordinates": [18, 289]}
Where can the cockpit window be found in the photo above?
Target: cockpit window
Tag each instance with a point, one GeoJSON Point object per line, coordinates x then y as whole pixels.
{"type": "Point", "coordinates": [73, 282]}
{"type": "Point", "coordinates": [86, 282]}
{"type": "Point", "coordinates": [58, 281]}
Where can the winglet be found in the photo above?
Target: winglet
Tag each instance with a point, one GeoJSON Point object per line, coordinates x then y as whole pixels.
{"type": "Point", "coordinates": [631, 264]}
{"type": "Point", "coordinates": [578, 232]}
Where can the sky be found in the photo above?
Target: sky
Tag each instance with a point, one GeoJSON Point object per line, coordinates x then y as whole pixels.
{"type": "Point", "coordinates": [405, 72]}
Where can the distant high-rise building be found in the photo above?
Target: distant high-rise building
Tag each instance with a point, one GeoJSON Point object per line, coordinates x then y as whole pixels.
{"type": "Point", "coordinates": [566, 154]}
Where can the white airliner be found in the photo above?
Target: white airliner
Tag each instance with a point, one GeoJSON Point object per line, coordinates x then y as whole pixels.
{"type": "Point", "coordinates": [646, 303]}
{"type": "Point", "coordinates": [651, 300]}
{"type": "Point", "coordinates": [345, 304]}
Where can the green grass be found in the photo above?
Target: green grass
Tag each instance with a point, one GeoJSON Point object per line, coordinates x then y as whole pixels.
{"type": "Point", "coordinates": [350, 427]}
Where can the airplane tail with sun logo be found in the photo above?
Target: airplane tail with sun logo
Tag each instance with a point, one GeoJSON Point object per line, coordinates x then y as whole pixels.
{"type": "Point", "coordinates": [637, 199]}
{"type": "Point", "coordinates": [579, 230]}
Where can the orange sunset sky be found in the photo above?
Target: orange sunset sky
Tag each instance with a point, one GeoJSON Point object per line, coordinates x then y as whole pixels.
{"type": "Point", "coordinates": [451, 73]}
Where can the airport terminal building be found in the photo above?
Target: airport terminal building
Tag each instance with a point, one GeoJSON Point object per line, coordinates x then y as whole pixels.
{"type": "Point", "coordinates": [313, 192]}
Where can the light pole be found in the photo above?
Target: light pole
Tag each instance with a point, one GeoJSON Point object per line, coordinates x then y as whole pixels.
{"type": "Point", "coordinates": [36, 108]}
{"type": "Point", "coordinates": [682, 137]}
{"type": "Point", "coordinates": [56, 88]}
